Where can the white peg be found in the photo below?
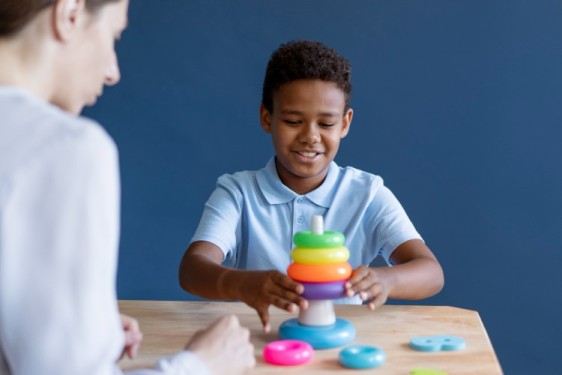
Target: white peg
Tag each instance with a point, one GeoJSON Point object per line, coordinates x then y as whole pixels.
{"type": "Point", "coordinates": [317, 224]}
{"type": "Point", "coordinates": [318, 313]}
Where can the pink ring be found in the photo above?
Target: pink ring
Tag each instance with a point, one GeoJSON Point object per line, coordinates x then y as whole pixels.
{"type": "Point", "coordinates": [287, 352]}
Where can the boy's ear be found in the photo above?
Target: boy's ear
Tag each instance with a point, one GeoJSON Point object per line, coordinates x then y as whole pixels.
{"type": "Point", "coordinates": [265, 119]}
{"type": "Point", "coordinates": [66, 17]}
{"type": "Point", "coordinates": [346, 122]}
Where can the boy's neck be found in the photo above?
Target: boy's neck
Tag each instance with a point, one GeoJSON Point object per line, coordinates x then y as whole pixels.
{"type": "Point", "coordinates": [300, 185]}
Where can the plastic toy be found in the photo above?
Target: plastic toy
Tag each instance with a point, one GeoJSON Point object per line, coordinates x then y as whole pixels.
{"type": "Point", "coordinates": [287, 352]}
{"type": "Point", "coordinates": [319, 273]}
{"type": "Point", "coordinates": [320, 265]}
{"type": "Point", "coordinates": [326, 336]}
{"type": "Point", "coordinates": [426, 371]}
{"type": "Point", "coordinates": [322, 254]}
{"type": "Point", "coordinates": [437, 343]}
{"type": "Point", "coordinates": [361, 356]}
{"type": "Point", "coordinates": [324, 291]}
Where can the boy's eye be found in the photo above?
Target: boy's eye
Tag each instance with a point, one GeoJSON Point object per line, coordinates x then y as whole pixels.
{"type": "Point", "coordinates": [327, 124]}
{"type": "Point", "coordinates": [291, 122]}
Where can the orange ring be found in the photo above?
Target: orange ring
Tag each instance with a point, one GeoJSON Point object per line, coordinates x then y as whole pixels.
{"type": "Point", "coordinates": [319, 273]}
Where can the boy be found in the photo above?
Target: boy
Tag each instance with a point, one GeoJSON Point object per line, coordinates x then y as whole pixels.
{"type": "Point", "coordinates": [242, 246]}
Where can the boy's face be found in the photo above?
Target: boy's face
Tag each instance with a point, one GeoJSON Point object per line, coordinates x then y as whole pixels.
{"type": "Point", "coordinates": [306, 125]}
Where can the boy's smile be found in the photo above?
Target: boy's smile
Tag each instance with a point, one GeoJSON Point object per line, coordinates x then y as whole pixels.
{"type": "Point", "coordinates": [306, 125]}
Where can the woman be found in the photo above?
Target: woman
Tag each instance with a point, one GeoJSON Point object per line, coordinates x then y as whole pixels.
{"type": "Point", "coordinates": [59, 202]}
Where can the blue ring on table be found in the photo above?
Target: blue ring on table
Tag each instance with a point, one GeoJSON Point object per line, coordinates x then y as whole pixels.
{"type": "Point", "coordinates": [320, 337]}
{"type": "Point", "coordinates": [320, 291]}
{"type": "Point", "coordinates": [361, 356]}
{"type": "Point", "coordinates": [437, 343]}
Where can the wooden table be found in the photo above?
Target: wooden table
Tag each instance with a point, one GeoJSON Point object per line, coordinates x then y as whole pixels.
{"type": "Point", "coordinates": [167, 326]}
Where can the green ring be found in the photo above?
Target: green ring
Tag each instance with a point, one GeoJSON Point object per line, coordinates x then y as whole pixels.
{"type": "Point", "coordinates": [312, 240]}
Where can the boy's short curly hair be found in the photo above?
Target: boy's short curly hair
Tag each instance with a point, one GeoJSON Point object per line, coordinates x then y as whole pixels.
{"type": "Point", "coordinates": [303, 59]}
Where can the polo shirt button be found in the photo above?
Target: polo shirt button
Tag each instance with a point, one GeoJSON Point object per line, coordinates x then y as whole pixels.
{"type": "Point", "coordinates": [299, 200]}
{"type": "Point", "coordinates": [300, 219]}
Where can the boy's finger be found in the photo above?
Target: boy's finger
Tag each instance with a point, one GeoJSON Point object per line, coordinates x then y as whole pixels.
{"type": "Point", "coordinates": [378, 300]}
{"type": "Point", "coordinates": [357, 275]}
{"type": "Point", "coordinates": [284, 304]}
{"type": "Point", "coordinates": [288, 295]}
{"type": "Point", "coordinates": [359, 286]}
{"type": "Point", "coordinates": [285, 282]}
{"type": "Point", "coordinates": [264, 317]}
{"type": "Point", "coordinates": [369, 290]}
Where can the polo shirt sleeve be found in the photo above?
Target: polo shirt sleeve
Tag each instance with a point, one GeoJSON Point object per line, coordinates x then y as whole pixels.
{"type": "Point", "coordinates": [220, 222]}
{"type": "Point", "coordinates": [391, 224]}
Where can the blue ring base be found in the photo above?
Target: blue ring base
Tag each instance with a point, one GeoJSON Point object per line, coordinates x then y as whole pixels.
{"type": "Point", "coordinates": [320, 337]}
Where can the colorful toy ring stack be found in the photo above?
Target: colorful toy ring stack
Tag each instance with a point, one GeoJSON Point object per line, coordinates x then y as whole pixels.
{"type": "Point", "coordinates": [320, 265]}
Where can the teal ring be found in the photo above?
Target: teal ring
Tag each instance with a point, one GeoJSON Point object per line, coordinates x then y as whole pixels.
{"type": "Point", "coordinates": [361, 356]}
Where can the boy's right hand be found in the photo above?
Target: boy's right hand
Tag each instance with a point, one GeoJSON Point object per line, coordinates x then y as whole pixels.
{"type": "Point", "coordinates": [260, 289]}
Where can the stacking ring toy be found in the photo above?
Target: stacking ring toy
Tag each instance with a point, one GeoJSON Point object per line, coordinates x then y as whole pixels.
{"type": "Point", "coordinates": [327, 239]}
{"type": "Point", "coordinates": [320, 255]}
{"type": "Point", "coordinates": [319, 273]}
{"type": "Point", "coordinates": [320, 291]}
{"type": "Point", "coordinates": [361, 356]}
{"type": "Point", "coordinates": [287, 352]}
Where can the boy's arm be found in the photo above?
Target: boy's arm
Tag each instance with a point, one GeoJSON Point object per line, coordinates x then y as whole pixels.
{"type": "Point", "coordinates": [202, 274]}
{"type": "Point", "coordinates": [416, 274]}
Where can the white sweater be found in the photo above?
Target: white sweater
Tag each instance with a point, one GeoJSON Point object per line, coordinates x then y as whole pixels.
{"type": "Point", "coordinates": [59, 233]}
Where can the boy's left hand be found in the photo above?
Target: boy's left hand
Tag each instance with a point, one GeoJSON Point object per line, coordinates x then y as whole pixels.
{"type": "Point", "coordinates": [370, 284]}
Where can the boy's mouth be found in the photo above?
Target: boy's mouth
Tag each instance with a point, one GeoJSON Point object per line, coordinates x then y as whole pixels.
{"type": "Point", "coordinates": [307, 154]}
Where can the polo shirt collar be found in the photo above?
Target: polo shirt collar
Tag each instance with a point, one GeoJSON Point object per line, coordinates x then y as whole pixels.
{"type": "Point", "coordinates": [275, 192]}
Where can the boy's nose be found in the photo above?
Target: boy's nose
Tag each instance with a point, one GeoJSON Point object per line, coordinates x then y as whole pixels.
{"type": "Point", "coordinates": [310, 134]}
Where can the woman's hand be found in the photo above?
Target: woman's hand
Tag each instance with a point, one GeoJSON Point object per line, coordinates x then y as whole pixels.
{"type": "Point", "coordinates": [133, 336]}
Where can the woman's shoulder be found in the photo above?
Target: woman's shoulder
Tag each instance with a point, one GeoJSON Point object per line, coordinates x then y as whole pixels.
{"type": "Point", "coordinates": [35, 130]}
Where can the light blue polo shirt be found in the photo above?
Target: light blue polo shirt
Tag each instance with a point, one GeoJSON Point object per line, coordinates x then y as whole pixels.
{"type": "Point", "coordinates": [252, 217]}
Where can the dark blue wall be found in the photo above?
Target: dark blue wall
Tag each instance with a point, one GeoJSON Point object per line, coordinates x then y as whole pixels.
{"type": "Point", "coordinates": [458, 106]}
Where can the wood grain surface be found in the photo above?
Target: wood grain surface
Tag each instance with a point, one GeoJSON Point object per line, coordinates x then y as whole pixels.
{"type": "Point", "coordinates": [168, 325]}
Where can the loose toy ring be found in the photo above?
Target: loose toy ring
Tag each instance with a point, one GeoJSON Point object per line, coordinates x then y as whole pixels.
{"type": "Point", "coordinates": [319, 273]}
{"type": "Point", "coordinates": [362, 356]}
{"type": "Point", "coordinates": [437, 343]}
{"type": "Point", "coordinates": [327, 239]}
{"type": "Point", "coordinates": [287, 352]}
{"type": "Point", "coordinates": [320, 255]}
